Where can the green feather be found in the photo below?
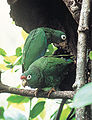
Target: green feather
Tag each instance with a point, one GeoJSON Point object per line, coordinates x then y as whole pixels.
{"type": "Point", "coordinates": [47, 72]}
{"type": "Point", "coordinates": [34, 47]}
{"type": "Point", "coordinates": [37, 42]}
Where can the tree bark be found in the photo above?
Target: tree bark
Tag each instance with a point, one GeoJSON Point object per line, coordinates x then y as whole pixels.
{"type": "Point", "coordinates": [83, 30]}
{"type": "Point", "coordinates": [74, 7]}
{"type": "Point", "coordinates": [41, 94]}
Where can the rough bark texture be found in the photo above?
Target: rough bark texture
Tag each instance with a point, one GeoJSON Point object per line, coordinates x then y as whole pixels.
{"type": "Point", "coordinates": [41, 94]}
{"type": "Point", "coordinates": [83, 30]}
{"type": "Point", "coordinates": [74, 8]}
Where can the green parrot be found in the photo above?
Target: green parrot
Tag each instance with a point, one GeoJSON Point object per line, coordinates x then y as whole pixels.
{"type": "Point", "coordinates": [46, 72]}
{"type": "Point", "coordinates": [37, 42]}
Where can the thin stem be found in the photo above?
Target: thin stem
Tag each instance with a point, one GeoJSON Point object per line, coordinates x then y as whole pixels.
{"type": "Point", "coordinates": [60, 109]}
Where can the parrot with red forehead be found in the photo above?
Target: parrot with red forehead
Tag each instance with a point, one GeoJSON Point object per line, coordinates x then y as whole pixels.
{"type": "Point", "coordinates": [46, 72]}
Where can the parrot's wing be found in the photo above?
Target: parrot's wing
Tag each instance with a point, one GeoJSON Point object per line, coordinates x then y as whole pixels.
{"type": "Point", "coordinates": [34, 47]}
{"type": "Point", "coordinates": [55, 66]}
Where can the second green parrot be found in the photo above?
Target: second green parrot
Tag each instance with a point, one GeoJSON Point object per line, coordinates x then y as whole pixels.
{"type": "Point", "coordinates": [47, 72]}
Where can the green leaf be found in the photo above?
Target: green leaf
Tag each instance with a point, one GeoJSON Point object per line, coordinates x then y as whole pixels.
{"type": "Point", "coordinates": [9, 66]}
{"type": "Point", "coordinates": [17, 99]}
{"type": "Point", "coordinates": [6, 62]}
{"type": "Point", "coordinates": [37, 109]}
{"type": "Point", "coordinates": [65, 112]}
{"type": "Point", "coordinates": [90, 55]}
{"type": "Point", "coordinates": [1, 112]}
{"type": "Point", "coordinates": [53, 116]}
{"type": "Point", "coordinates": [2, 52]}
{"type": "Point", "coordinates": [51, 49]}
{"type": "Point", "coordinates": [18, 86]}
{"type": "Point", "coordinates": [16, 70]}
{"type": "Point", "coordinates": [83, 97]}
{"type": "Point", "coordinates": [19, 62]}
{"type": "Point", "coordinates": [18, 51]}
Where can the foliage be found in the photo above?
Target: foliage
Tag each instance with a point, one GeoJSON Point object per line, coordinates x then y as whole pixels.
{"type": "Point", "coordinates": [17, 99]}
{"type": "Point", "coordinates": [34, 112]}
{"type": "Point", "coordinates": [1, 113]}
{"type": "Point", "coordinates": [37, 109]}
{"type": "Point", "coordinates": [65, 112]}
{"type": "Point", "coordinates": [83, 96]}
{"type": "Point", "coordinates": [11, 61]}
{"type": "Point", "coordinates": [18, 51]}
{"type": "Point", "coordinates": [90, 55]}
{"type": "Point", "coordinates": [50, 50]}
{"type": "Point", "coordinates": [2, 52]}
{"type": "Point", "coordinates": [53, 116]}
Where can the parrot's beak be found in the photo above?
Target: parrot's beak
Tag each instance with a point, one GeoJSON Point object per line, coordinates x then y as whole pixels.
{"type": "Point", "coordinates": [24, 83]}
{"type": "Point", "coordinates": [24, 80]}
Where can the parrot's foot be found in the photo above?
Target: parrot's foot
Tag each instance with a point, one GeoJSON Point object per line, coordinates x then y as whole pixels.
{"type": "Point", "coordinates": [44, 89]}
{"type": "Point", "coordinates": [51, 90]}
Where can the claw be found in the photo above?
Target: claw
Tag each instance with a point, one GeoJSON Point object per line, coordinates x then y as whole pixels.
{"type": "Point", "coordinates": [51, 90]}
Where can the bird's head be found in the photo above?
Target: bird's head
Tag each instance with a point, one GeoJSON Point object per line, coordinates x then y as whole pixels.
{"type": "Point", "coordinates": [32, 78]}
{"type": "Point", "coordinates": [58, 36]}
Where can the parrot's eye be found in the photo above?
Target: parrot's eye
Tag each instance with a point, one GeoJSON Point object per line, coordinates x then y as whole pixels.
{"type": "Point", "coordinates": [63, 37]}
{"type": "Point", "coordinates": [29, 77]}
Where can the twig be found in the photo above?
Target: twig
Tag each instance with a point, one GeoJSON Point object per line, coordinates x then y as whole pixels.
{"type": "Point", "coordinates": [73, 116]}
{"type": "Point", "coordinates": [81, 51]}
{"type": "Point", "coordinates": [60, 109]}
{"type": "Point", "coordinates": [10, 2]}
{"type": "Point", "coordinates": [74, 8]}
{"type": "Point", "coordinates": [69, 116]}
{"type": "Point", "coordinates": [0, 76]}
{"type": "Point", "coordinates": [31, 93]}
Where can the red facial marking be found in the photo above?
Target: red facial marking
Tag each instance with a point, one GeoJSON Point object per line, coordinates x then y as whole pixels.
{"type": "Point", "coordinates": [23, 77]}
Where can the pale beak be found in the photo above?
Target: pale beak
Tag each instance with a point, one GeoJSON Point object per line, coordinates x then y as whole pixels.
{"type": "Point", "coordinates": [24, 80]}
{"type": "Point", "coordinates": [24, 83]}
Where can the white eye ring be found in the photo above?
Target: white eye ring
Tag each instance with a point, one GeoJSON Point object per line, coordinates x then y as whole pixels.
{"type": "Point", "coordinates": [63, 37]}
{"type": "Point", "coordinates": [28, 77]}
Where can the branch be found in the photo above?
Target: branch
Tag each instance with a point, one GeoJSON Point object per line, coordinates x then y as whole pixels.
{"type": "Point", "coordinates": [0, 76]}
{"type": "Point", "coordinates": [74, 7]}
{"type": "Point", "coordinates": [81, 47]}
{"type": "Point", "coordinates": [91, 73]}
{"type": "Point", "coordinates": [83, 30]}
{"type": "Point", "coordinates": [31, 93]}
{"type": "Point", "coordinates": [10, 2]}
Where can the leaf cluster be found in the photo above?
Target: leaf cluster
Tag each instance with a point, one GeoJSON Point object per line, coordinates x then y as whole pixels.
{"type": "Point", "coordinates": [11, 61]}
